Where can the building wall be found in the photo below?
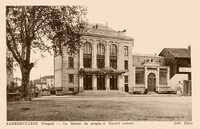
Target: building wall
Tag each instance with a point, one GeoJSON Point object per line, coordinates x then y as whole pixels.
{"type": "Point", "coordinates": [170, 61]}
{"type": "Point", "coordinates": [174, 81]}
{"type": "Point", "coordinates": [69, 86]}
{"type": "Point", "coordinates": [58, 71]}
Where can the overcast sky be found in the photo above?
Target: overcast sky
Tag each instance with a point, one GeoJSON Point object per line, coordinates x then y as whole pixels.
{"type": "Point", "coordinates": [153, 24]}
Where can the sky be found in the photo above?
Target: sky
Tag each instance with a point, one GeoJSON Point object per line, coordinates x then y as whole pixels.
{"type": "Point", "coordinates": [153, 24]}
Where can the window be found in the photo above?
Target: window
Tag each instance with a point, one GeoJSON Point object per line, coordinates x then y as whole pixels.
{"type": "Point", "coordinates": [71, 78]}
{"type": "Point", "coordinates": [100, 63]}
{"type": "Point", "coordinates": [126, 64]}
{"type": "Point", "coordinates": [163, 77]}
{"type": "Point", "coordinates": [87, 48]}
{"type": "Point", "coordinates": [113, 56]}
{"type": "Point", "coordinates": [125, 79]}
{"type": "Point", "coordinates": [113, 50]}
{"type": "Point", "coordinates": [139, 75]}
{"type": "Point", "coordinates": [87, 62]}
{"type": "Point", "coordinates": [100, 55]}
{"type": "Point", "coordinates": [125, 50]}
{"type": "Point", "coordinates": [113, 63]}
{"type": "Point", "coordinates": [87, 55]}
{"type": "Point", "coordinates": [71, 62]}
{"type": "Point", "coordinates": [100, 49]}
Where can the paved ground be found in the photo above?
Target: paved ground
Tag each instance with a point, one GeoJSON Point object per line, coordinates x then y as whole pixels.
{"type": "Point", "coordinates": [88, 108]}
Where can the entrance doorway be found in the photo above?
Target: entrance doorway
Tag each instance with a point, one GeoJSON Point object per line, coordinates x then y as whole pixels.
{"type": "Point", "coordinates": [151, 82]}
{"type": "Point", "coordinates": [101, 82]}
{"type": "Point", "coordinates": [87, 82]}
{"type": "Point", "coordinates": [113, 82]}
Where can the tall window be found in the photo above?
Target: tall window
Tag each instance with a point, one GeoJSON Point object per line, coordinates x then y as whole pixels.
{"type": "Point", "coordinates": [71, 62]}
{"type": "Point", "coordinates": [139, 75]}
{"type": "Point", "coordinates": [126, 64]}
{"type": "Point", "coordinates": [87, 48]}
{"type": "Point", "coordinates": [87, 55]}
{"type": "Point", "coordinates": [71, 78]}
{"type": "Point", "coordinates": [100, 49]}
{"type": "Point", "coordinates": [163, 77]}
{"type": "Point", "coordinates": [113, 56]}
{"type": "Point", "coordinates": [100, 55]}
{"type": "Point", "coordinates": [125, 50]}
{"type": "Point", "coordinates": [113, 50]}
{"type": "Point", "coordinates": [126, 79]}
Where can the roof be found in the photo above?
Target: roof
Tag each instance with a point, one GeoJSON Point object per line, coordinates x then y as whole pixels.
{"type": "Point", "coordinates": [178, 52]}
{"type": "Point", "coordinates": [100, 30]}
{"type": "Point", "coordinates": [146, 55]}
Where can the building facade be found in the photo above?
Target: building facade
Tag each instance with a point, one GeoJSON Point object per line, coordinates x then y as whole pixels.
{"type": "Point", "coordinates": [106, 62]}
{"type": "Point", "coordinates": [151, 74]}
{"type": "Point", "coordinates": [179, 61]}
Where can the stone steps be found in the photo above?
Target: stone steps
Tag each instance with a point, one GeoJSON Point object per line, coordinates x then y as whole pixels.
{"type": "Point", "coordinates": [103, 93]}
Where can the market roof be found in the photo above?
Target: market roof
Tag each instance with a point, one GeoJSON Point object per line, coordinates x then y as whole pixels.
{"type": "Point", "coordinates": [177, 52]}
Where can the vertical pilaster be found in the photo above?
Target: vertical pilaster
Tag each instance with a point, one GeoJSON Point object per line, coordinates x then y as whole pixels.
{"type": "Point", "coordinates": [121, 86]}
{"type": "Point", "coordinates": [157, 79]}
{"type": "Point", "coordinates": [107, 81]}
{"type": "Point", "coordinates": [81, 58]}
{"type": "Point", "coordinates": [133, 81]}
{"type": "Point", "coordinates": [94, 82]}
{"type": "Point", "coordinates": [80, 83]}
{"type": "Point", "coordinates": [168, 75]}
{"type": "Point", "coordinates": [119, 57]}
{"type": "Point", "coordinates": [94, 55]}
{"type": "Point", "coordinates": [107, 56]}
{"type": "Point", "coordinates": [119, 81]}
{"type": "Point", "coordinates": [145, 77]}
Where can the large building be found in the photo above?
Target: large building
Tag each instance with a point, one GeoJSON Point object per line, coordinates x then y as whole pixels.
{"type": "Point", "coordinates": [106, 62]}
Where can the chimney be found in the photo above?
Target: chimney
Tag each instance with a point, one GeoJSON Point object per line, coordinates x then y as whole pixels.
{"type": "Point", "coordinates": [189, 48]}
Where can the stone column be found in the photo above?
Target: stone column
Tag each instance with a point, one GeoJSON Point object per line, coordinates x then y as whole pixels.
{"type": "Point", "coordinates": [81, 58]}
{"type": "Point", "coordinates": [107, 56]}
{"type": "Point", "coordinates": [121, 86]}
{"type": "Point", "coordinates": [145, 77]}
{"type": "Point", "coordinates": [107, 82]}
{"type": "Point", "coordinates": [94, 55]}
{"type": "Point", "coordinates": [119, 81]}
{"type": "Point", "coordinates": [80, 83]}
{"type": "Point", "coordinates": [119, 58]}
{"type": "Point", "coordinates": [157, 79]}
{"type": "Point", "coordinates": [133, 77]}
{"type": "Point", "coordinates": [94, 82]}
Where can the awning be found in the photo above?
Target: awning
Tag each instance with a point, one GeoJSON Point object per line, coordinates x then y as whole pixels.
{"type": "Point", "coordinates": [105, 70]}
{"type": "Point", "coordinates": [89, 70]}
{"type": "Point", "coordinates": [119, 71]}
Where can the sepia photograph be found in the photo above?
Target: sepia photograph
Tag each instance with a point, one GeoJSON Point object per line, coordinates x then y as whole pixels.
{"type": "Point", "coordinates": [100, 62]}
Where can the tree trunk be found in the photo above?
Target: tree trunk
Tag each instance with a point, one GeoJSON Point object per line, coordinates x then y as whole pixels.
{"type": "Point", "coordinates": [25, 84]}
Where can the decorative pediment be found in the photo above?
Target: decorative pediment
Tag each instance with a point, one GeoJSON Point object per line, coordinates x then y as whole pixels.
{"type": "Point", "coordinates": [151, 62]}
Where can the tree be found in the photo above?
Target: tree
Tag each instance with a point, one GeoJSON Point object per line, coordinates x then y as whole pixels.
{"type": "Point", "coordinates": [29, 28]}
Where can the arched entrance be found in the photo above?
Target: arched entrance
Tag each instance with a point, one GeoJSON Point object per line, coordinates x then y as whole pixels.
{"type": "Point", "coordinates": [151, 82]}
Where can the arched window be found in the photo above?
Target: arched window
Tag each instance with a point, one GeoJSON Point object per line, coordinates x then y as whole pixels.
{"type": "Point", "coordinates": [87, 48]}
{"type": "Point", "coordinates": [100, 49]}
{"type": "Point", "coordinates": [87, 56]}
{"type": "Point", "coordinates": [100, 56]}
{"type": "Point", "coordinates": [113, 50]}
